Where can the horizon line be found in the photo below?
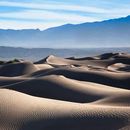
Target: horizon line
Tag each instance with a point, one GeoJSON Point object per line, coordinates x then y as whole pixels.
{"type": "Point", "coordinates": [107, 47]}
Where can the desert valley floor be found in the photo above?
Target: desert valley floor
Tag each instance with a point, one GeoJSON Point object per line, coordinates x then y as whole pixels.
{"type": "Point", "coordinates": [90, 93]}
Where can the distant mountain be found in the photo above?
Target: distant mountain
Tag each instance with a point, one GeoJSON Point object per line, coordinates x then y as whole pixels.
{"type": "Point", "coordinates": [114, 32]}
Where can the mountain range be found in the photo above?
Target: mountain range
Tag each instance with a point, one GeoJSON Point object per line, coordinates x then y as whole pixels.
{"type": "Point", "coordinates": [108, 33]}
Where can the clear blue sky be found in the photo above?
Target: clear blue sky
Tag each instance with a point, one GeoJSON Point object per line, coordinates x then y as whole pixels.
{"type": "Point", "coordinates": [42, 14]}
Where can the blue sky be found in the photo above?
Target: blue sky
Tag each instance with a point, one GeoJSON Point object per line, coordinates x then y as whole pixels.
{"type": "Point", "coordinates": [42, 14]}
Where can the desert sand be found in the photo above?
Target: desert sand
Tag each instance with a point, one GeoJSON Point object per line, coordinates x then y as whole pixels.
{"type": "Point", "coordinates": [89, 93]}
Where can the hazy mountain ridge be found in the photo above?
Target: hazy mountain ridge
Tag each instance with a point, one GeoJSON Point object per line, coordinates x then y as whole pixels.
{"type": "Point", "coordinates": [113, 32]}
{"type": "Point", "coordinates": [34, 54]}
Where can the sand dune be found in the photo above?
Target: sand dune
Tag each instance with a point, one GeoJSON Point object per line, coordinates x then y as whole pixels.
{"type": "Point", "coordinates": [24, 112]}
{"type": "Point", "coordinates": [89, 93]}
{"type": "Point", "coordinates": [61, 88]}
{"type": "Point", "coordinates": [119, 67]}
{"type": "Point", "coordinates": [17, 69]}
{"type": "Point", "coordinates": [91, 74]}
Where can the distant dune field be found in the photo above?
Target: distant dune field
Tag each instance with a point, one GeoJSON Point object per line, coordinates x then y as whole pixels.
{"type": "Point", "coordinates": [54, 93]}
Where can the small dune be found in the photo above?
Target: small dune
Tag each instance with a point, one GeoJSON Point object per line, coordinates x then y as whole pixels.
{"type": "Point", "coordinates": [17, 69]}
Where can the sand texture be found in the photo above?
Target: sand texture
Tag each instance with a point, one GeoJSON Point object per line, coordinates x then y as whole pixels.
{"type": "Point", "coordinates": [89, 93]}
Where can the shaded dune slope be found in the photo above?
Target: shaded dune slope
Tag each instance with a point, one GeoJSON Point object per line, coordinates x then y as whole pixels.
{"type": "Point", "coordinates": [17, 69]}
{"type": "Point", "coordinates": [121, 80]}
{"type": "Point", "coordinates": [61, 88]}
{"type": "Point", "coordinates": [33, 113]}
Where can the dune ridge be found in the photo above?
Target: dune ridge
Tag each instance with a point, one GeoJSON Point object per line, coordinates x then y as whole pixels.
{"type": "Point", "coordinates": [57, 93]}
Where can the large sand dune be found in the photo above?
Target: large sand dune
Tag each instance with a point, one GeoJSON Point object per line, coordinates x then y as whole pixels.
{"type": "Point", "coordinates": [90, 93]}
